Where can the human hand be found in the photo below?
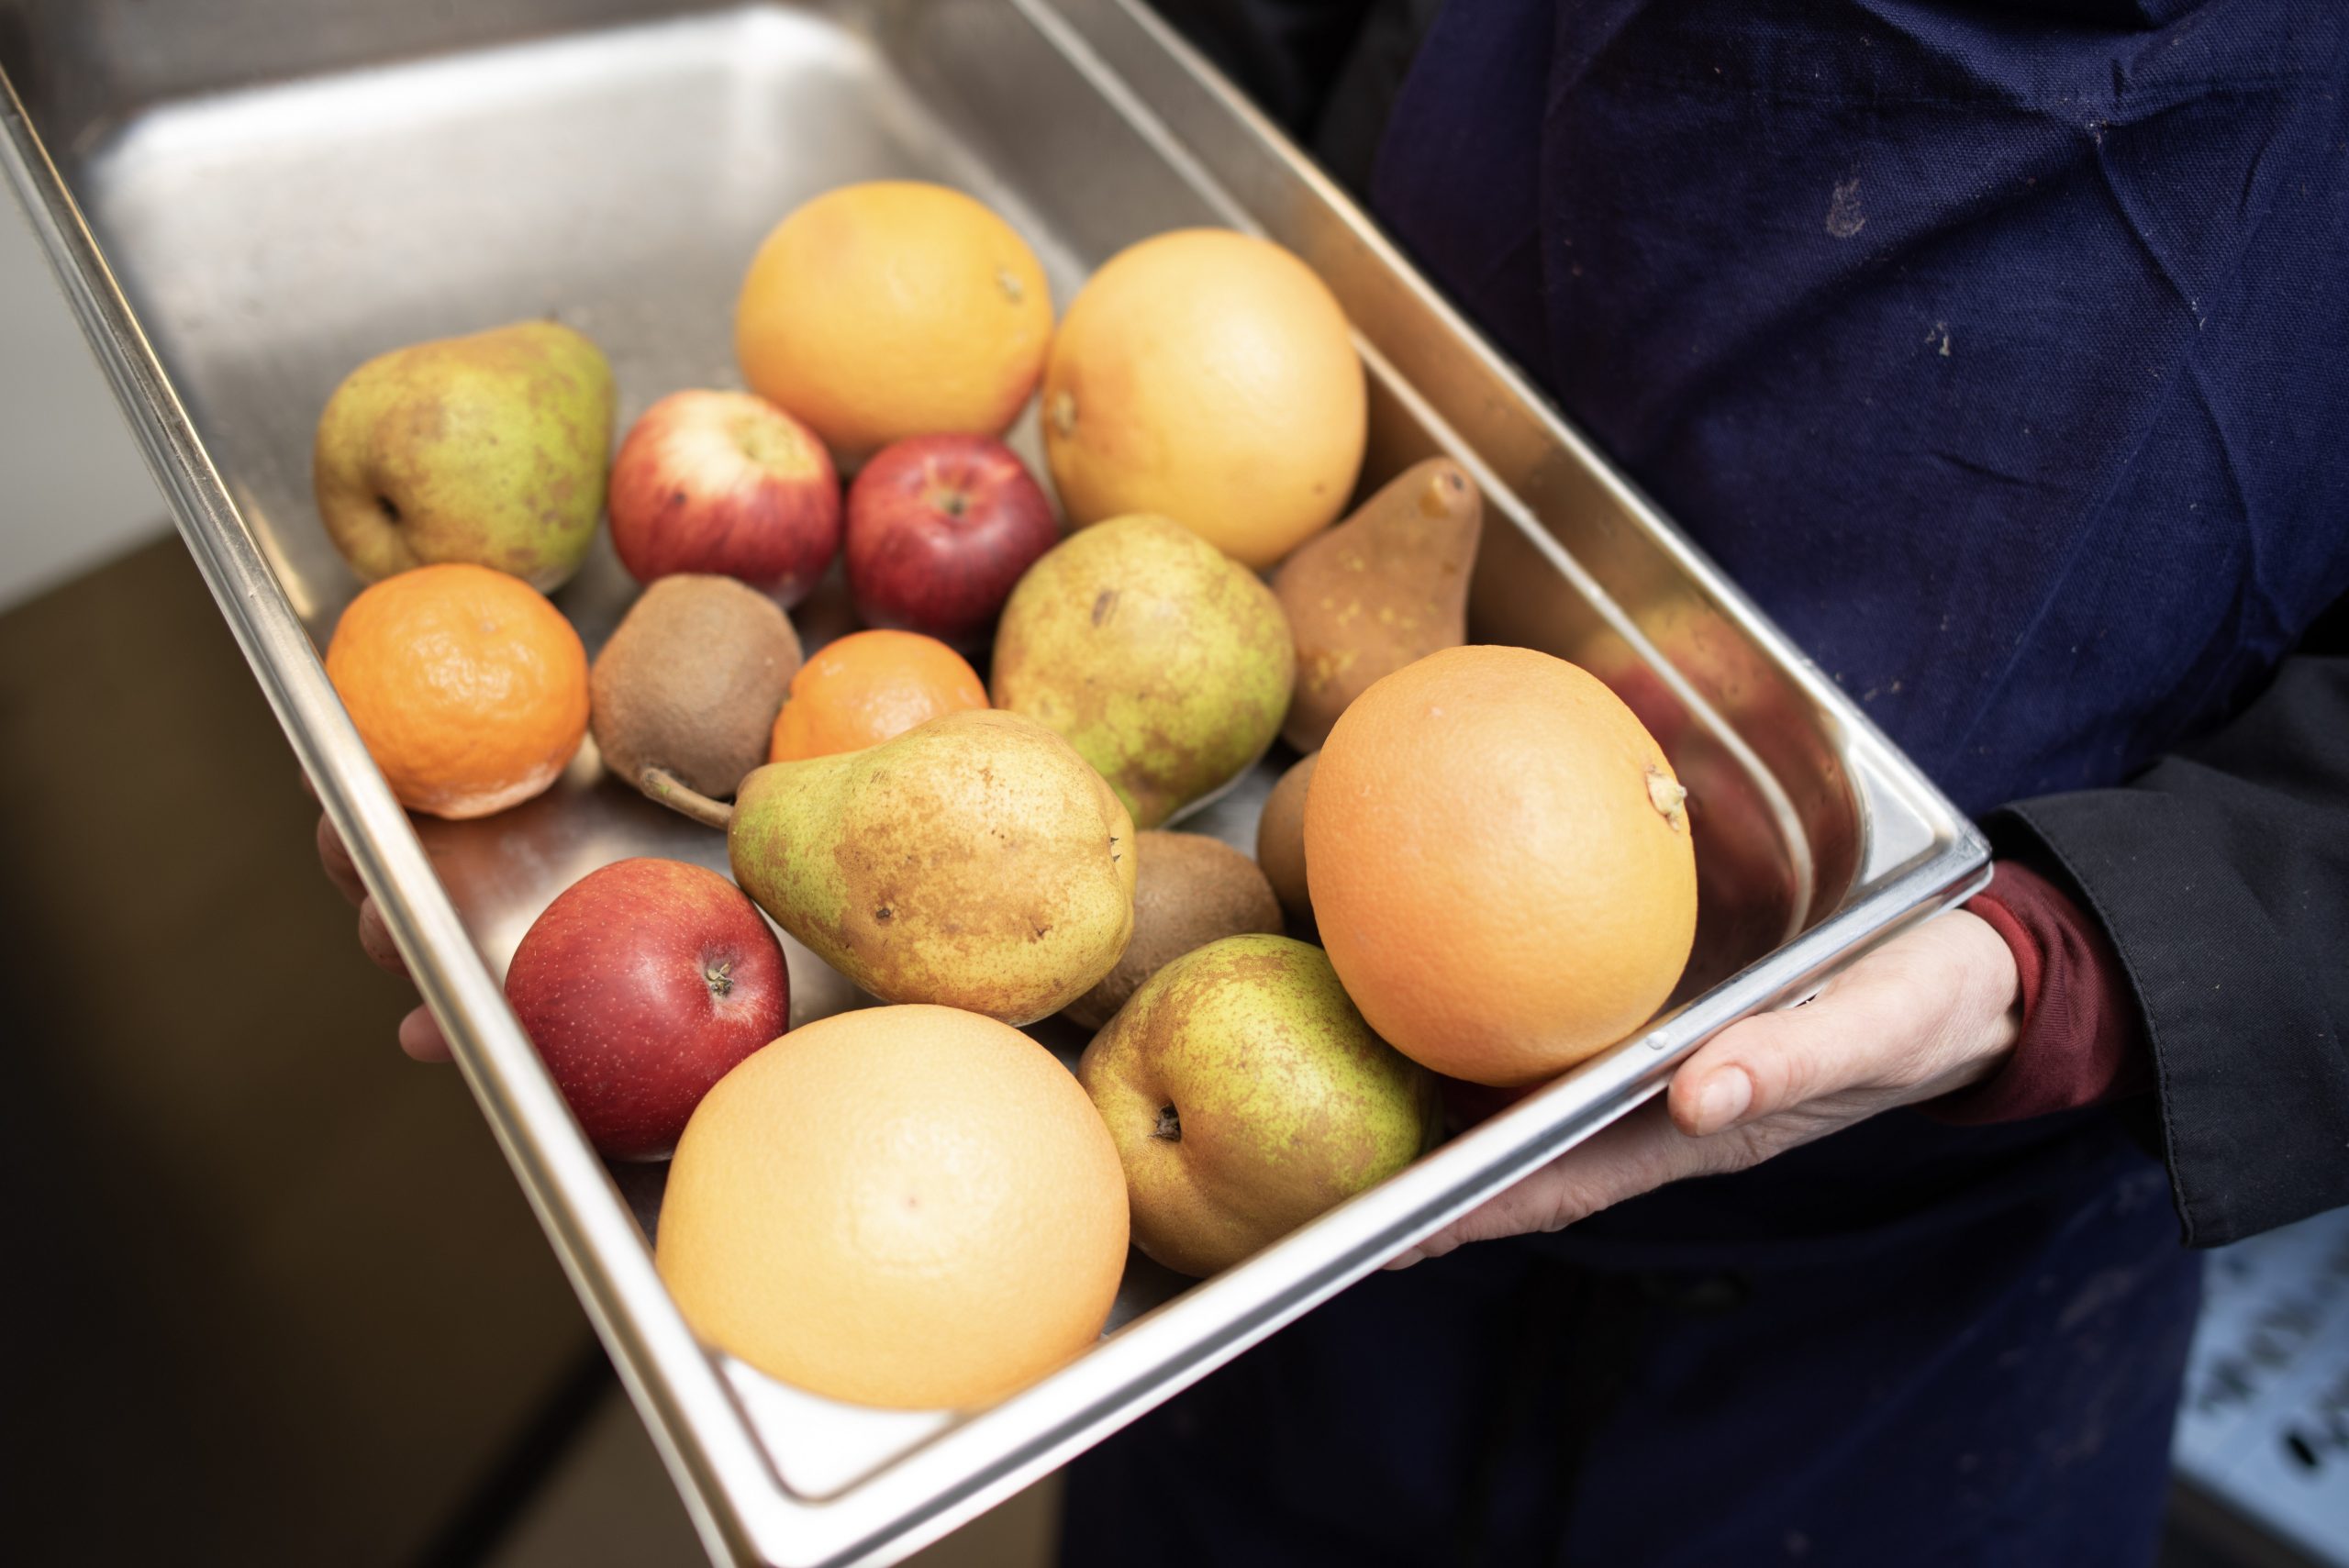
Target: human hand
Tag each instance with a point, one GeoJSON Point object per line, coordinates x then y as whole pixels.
{"type": "Point", "coordinates": [1932, 1011]}
{"type": "Point", "coordinates": [419, 1036]}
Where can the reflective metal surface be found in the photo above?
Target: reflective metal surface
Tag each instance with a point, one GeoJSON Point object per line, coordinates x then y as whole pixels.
{"type": "Point", "coordinates": [245, 198]}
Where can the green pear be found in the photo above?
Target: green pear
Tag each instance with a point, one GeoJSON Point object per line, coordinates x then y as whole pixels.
{"type": "Point", "coordinates": [490, 448]}
{"type": "Point", "coordinates": [1246, 1096]}
{"type": "Point", "coordinates": [975, 861]}
{"type": "Point", "coordinates": [1166, 664]}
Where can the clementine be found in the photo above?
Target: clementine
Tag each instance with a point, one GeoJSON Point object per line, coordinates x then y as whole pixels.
{"type": "Point", "coordinates": [1499, 861]}
{"type": "Point", "coordinates": [890, 309]}
{"type": "Point", "coordinates": [468, 688]}
{"type": "Point", "coordinates": [910, 1207]}
{"type": "Point", "coordinates": [868, 687]}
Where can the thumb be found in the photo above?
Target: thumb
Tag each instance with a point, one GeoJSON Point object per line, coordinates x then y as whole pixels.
{"type": "Point", "coordinates": [1899, 1020]}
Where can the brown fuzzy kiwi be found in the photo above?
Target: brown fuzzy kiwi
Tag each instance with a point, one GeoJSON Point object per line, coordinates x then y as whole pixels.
{"type": "Point", "coordinates": [691, 682]}
{"type": "Point", "coordinates": [1189, 890]}
{"type": "Point", "coordinates": [1385, 587]}
{"type": "Point", "coordinates": [1280, 840]}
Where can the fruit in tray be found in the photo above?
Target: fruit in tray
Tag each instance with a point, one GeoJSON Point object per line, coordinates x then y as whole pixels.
{"type": "Point", "coordinates": [1280, 840]}
{"type": "Point", "coordinates": [691, 682]}
{"type": "Point", "coordinates": [1189, 890]}
{"type": "Point", "coordinates": [904, 1207]}
{"type": "Point", "coordinates": [890, 309]}
{"type": "Point", "coordinates": [939, 529]}
{"type": "Point", "coordinates": [975, 862]}
{"type": "Point", "coordinates": [1387, 586]}
{"type": "Point", "coordinates": [468, 687]}
{"type": "Point", "coordinates": [1246, 1096]}
{"type": "Point", "coordinates": [913, 1204]}
{"type": "Point", "coordinates": [1166, 664]}
{"type": "Point", "coordinates": [1209, 377]}
{"type": "Point", "coordinates": [1500, 863]}
{"type": "Point", "coordinates": [724, 483]}
{"type": "Point", "coordinates": [641, 986]}
{"type": "Point", "coordinates": [868, 687]}
{"type": "Point", "coordinates": [487, 449]}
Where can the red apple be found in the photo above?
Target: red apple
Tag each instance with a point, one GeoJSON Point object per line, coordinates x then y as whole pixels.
{"type": "Point", "coordinates": [727, 484]}
{"type": "Point", "coordinates": [939, 529]}
{"type": "Point", "coordinates": [642, 984]}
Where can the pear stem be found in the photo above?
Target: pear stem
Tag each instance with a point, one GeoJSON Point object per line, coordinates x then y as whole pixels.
{"type": "Point", "coordinates": [665, 787]}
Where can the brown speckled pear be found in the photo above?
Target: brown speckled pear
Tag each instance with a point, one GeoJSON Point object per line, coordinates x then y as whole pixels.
{"type": "Point", "coordinates": [1165, 662]}
{"type": "Point", "coordinates": [975, 861]}
{"type": "Point", "coordinates": [1246, 1094]}
{"type": "Point", "coordinates": [1387, 586]}
{"type": "Point", "coordinates": [1189, 890]}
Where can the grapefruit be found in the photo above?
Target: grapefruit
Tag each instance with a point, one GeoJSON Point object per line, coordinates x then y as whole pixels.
{"type": "Point", "coordinates": [1209, 377]}
{"type": "Point", "coordinates": [1499, 860]}
{"type": "Point", "coordinates": [893, 308]}
{"type": "Point", "coordinates": [910, 1206]}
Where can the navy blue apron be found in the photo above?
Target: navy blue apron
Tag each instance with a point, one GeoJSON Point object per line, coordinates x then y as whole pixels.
{"type": "Point", "coordinates": [1990, 348]}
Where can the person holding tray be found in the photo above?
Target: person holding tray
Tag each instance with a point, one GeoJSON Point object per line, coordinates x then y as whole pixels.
{"type": "Point", "coordinates": [1998, 352]}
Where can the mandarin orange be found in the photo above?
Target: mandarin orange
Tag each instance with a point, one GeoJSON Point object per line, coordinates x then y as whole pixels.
{"type": "Point", "coordinates": [468, 688]}
{"type": "Point", "coordinates": [868, 687]}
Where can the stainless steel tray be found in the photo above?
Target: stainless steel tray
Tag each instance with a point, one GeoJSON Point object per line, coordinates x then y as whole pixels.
{"type": "Point", "coordinates": [245, 199]}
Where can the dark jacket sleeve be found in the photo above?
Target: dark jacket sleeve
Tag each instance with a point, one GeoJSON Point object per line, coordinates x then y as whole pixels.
{"type": "Point", "coordinates": [2222, 877]}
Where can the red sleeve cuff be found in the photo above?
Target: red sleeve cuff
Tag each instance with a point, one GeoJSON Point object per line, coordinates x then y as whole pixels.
{"type": "Point", "coordinates": [2083, 1039]}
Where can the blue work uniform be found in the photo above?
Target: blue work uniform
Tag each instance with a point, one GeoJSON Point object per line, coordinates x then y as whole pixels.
{"type": "Point", "coordinates": [2001, 352]}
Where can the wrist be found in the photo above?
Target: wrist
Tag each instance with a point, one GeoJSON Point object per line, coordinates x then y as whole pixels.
{"type": "Point", "coordinates": [1988, 1014]}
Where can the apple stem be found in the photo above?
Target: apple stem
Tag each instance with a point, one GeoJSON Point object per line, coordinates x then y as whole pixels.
{"type": "Point", "coordinates": [665, 787]}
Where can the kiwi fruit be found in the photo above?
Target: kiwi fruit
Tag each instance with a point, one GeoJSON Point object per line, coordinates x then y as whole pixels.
{"type": "Point", "coordinates": [1189, 890]}
{"type": "Point", "coordinates": [691, 682]}
{"type": "Point", "coordinates": [1387, 586]}
{"type": "Point", "coordinates": [1280, 840]}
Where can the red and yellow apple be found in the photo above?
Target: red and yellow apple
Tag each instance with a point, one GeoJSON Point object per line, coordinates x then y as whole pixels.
{"type": "Point", "coordinates": [725, 483]}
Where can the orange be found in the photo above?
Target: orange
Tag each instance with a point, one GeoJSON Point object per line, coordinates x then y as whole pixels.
{"type": "Point", "coordinates": [910, 1207]}
{"type": "Point", "coordinates": [868, 687]}
{"type": "Point", "coordinates": [468, 687]}
{"type": "Point", "coordinates": [892, 309]}
{"type": "Point", "coordinates": [1209, 377]}
{"type": "Point", "coordinates": [1499, 861]}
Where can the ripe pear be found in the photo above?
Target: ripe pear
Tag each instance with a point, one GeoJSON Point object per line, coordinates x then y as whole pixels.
{"type": "Point", "coordinates": [975, 862]}
{"type": "Point", "coordinates": [490, 448]}
{"type": "Point", "coordinates": [1246, 1096]}
{"type": "Point", "coordinates": [1166, 664]}
{"type": "Point", "coordinates": [1384, 588]}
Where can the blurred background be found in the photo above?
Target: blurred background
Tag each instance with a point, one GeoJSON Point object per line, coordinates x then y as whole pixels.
{"type": "Point", "coordinates": [275, 1299]}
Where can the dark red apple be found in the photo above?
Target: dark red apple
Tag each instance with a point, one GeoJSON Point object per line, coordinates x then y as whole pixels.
{"type": "Point", "coordinates": [725, 483]}
{"type": "Point", "coordinates": [939, 529]}
{"type": "Point", "coordinates": [642, 984]}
